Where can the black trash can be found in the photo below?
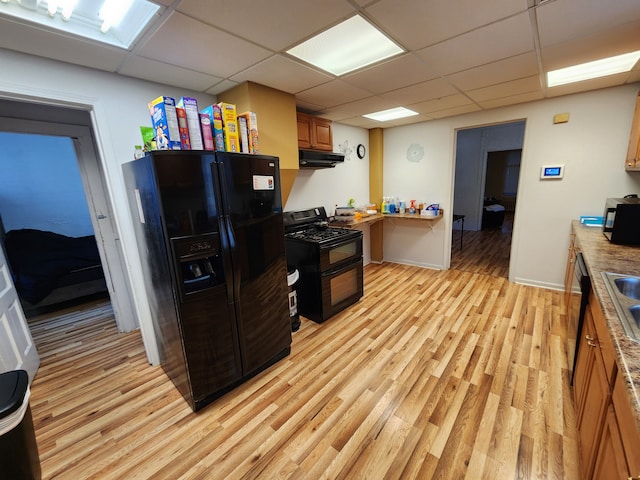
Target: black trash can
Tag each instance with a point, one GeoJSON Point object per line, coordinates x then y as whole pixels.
{"type": "Point", "coordinates": [19, 458]}
{"type": "Point", "coordinates": [292, 279]}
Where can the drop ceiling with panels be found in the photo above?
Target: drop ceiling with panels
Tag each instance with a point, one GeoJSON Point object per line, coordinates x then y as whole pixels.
{"type": "Point", "coordinates": [459, 59]}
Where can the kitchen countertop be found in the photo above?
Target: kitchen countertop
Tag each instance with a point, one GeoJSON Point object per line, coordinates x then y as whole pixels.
{"type": "Point", "coordinates": [602, 256]}
{"type": "Point", "coordinates": [379, 216]}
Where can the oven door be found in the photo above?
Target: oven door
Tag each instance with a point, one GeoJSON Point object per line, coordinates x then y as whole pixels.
{"type": "Point", "coordinates": [341, 287]}
{"type": "Point", "coordinates": [332, 257]}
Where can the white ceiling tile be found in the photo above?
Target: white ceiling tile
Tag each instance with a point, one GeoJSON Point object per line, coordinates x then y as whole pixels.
{"type": "Point", "coordinates": [481, 46]}
{"type": "Point", "coordinates": [189, 43]}
{"type": "Point", "coordinates": [58, 46]}
{"type": "Point", "coordinates": [361, 107]}
{"type": "Point", "coordinates": [221, 87]}
{"type": "Point", "coordinates": [633, 77]}
{"type": "Point", "coordinates": [439, 104]}
{"type": "Point", "coordinates": [284, 74]}
{"type": "Point", "coordinates": [450, 112]}
{"type": "Point", "coordinates": [398, 122]}
{"type": "Point", "coordinates": [159, 72]}
{"type": "Point", "coordinates": [288, 21]}
{"type": "Point", "coordinates": [421, 92]}
{"type": "Point", "coordinates": [419, 23]}
{"type": "Point", "coordinates": [330, 94]}
{"type": "Point", "coordinates": [513, 100]}
{"type": "Point", "coordinates": [399, 72]}
{"type": "Point", "coordinates": [597, 45]}
{"type": "Point", "coordinates": [506, 89]}
{"type": "Point", "coordinates": [512, 68]}
{"type": "Point", "coordinates": [564, 20]}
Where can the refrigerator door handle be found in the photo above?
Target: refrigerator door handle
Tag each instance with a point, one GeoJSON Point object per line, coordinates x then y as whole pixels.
{"type": "Point", "coordinates": [228, 226]}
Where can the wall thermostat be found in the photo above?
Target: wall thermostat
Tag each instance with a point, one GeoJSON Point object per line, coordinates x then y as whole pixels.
{"type": "Point", "coordinates": [551, 171]}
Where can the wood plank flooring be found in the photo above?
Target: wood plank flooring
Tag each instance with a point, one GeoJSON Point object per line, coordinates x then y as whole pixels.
{"type": "Point", "coordinates": [483, 251]}
{"type": "Point", "coordinates": [433, 374]}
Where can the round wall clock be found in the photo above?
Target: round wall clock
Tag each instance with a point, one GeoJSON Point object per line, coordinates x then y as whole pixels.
{"type": "Point", "coordinates": [360, 151]}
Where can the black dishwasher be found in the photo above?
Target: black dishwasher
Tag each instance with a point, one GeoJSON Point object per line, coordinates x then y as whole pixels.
{"type": "Point", "coordinates": [584, 283]}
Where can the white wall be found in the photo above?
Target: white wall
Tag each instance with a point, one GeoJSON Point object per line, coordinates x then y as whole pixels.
{"type": "Point", "coordinates": [592, 146]}
{"type": "Point", "coordinates": [119, 107]}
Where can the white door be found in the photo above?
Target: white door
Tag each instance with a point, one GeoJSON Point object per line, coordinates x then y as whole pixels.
{"type": "Point", "coordinates": [17, 351]}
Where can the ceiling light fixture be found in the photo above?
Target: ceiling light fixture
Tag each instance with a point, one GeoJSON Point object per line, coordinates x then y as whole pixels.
{"type": "Point", "coordinates": [391, 114]}
{"type": "Point", "coordinates": [348, 46]}
{"type": "Point", "coordinates": [114, 22]}
{"type": "Point", "coordinates": [112, 13]}
{"type": "Point", "coordinates": [598, 68]}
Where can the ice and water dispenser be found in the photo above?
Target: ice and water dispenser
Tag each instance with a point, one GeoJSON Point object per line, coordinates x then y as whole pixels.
{"type": "Point", "coordinates": [199, 262]}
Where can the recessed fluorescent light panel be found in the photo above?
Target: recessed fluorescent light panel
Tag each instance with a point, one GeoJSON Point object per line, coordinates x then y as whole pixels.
{"type": "Point", "coordinates": [391, 114]}
{"type": "Point", "coordinates": [348, 46]}
{"type": "Point", "coordinates": [595, 69]}
{"type": "Point", "coordinates": [115, 22]}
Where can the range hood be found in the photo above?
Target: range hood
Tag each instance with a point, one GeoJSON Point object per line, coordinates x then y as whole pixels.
{"type": "Point", "coordinates": [319, 159]}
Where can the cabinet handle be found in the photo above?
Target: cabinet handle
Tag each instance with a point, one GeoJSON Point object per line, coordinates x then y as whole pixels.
{"type": "Point", "coordinates": [589, 338]}
{"type": "Point", "coordinates": [591, 344]}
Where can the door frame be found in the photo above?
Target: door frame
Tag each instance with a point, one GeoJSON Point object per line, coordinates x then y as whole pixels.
{"type": "Point", "coordinates": [485, 148]}
{"type": "Point", "coordinates": [100, 209]}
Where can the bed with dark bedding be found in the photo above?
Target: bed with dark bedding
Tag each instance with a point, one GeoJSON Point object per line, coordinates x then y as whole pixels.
{"type": "Point", "coordinates": [49, 268]}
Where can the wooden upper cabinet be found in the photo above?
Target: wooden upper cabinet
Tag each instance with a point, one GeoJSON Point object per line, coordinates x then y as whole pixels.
{"type": "Point", "coordinates": [314, 132]}
{"type": "Point", "coordinates": [633, 152]}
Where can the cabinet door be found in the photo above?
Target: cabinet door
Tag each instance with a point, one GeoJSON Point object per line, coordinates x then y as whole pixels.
{"type": "Point", "coordinates": [304, 130]}
{"type": "Point", "coordinates": [592, 395]}
{"type": "Point", "coordinates": [629, 433]}
{"type": "Point", "coordinates": [633, 152]}
{"type": "Point", "coordinates": [611, 461]}
{"type": "Point", "coordinates": [321, 137]}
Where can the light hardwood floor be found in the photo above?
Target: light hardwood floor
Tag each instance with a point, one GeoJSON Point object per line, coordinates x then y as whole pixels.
{"type": "Point", "coordinates": [433, 374]}
{"type": "Point", "coordinates": [483, 251]}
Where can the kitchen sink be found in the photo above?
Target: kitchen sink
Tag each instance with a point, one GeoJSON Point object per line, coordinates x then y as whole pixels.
{"type": "Point", "coordinates": [625, 294]}
{"type": "Point", "coordinates": [628, 286]}
{"type": "Point", "coordinates": [635, 313]}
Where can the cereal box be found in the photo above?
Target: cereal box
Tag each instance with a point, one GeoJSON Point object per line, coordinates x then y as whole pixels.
{"type": "Point", "coordinates": [183, 129]}
{"type": "Point", "coordinates": [207, 132]}
{"type": "Point", "coordinates": [252, 127]}
{"type": "Point", "coordinates": [230, 127]}
{"type": "Point", "coordinates": [190, 106]}
{"type": "Point", "coordinates": [165, 123]}
{"type": "Point", "coordinates": [244, 135]}
{"type": "Point", "coordinates": [215, 114]}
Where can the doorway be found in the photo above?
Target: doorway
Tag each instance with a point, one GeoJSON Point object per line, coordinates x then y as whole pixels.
{"type": "Point", "coordinates": [487, 168]}
{"type": "Point", "coordinates": [39, 119]}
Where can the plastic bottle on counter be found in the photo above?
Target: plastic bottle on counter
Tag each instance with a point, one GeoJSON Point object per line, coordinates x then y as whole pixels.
{"type": "Point", "coordinates": [383, 207]}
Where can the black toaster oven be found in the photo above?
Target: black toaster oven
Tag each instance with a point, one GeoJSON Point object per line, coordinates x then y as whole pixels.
{"type": "Point", "coordinates": [622, 220]}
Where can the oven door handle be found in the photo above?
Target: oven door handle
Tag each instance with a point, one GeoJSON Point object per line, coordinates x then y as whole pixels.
{"type": "Point", "coordinates": [340, 268]}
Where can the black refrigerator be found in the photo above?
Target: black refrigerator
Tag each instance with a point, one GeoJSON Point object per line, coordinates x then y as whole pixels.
{"type": "Point", "coordinates": [211, 239]}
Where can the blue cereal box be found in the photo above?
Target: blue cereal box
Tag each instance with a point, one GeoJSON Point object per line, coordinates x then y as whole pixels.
{"type": "Point", "coordinates": [215, 114]}
{"type": "Point", "coordinates": [165, 123]}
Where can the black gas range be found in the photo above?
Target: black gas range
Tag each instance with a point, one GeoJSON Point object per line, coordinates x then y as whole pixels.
{"type": "Point", "coordinates": [329, 260]}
